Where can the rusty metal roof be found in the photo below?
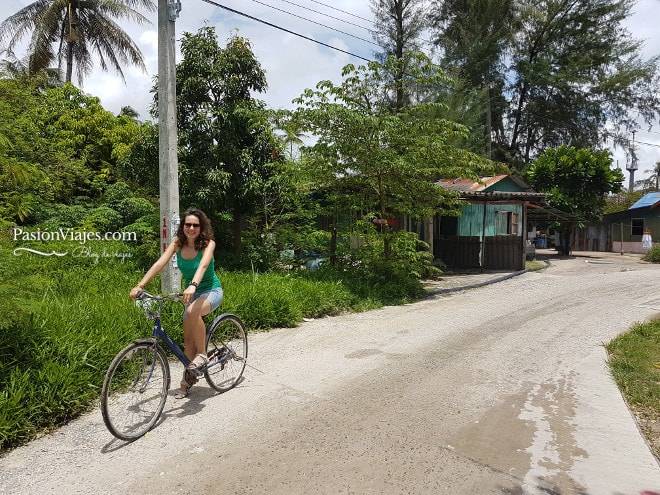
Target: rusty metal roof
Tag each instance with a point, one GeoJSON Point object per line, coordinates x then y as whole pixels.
{"type": "Point", "coordinates": [464, 185]}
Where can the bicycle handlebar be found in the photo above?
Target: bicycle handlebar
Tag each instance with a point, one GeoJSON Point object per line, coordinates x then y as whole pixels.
{"type": "Point", "coordinates": [174, 296]}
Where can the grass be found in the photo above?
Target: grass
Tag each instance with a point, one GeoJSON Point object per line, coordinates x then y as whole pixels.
{"type": "Point", "coordinates": [634, 359]}
{"type": "Point", "coordinates": [534, 265]}
{"type": "Point", "coordinates": [62, 320]}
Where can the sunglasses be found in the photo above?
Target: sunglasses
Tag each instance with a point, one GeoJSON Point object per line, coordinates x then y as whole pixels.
{"type": "Point", "coordinates": [191, 225]}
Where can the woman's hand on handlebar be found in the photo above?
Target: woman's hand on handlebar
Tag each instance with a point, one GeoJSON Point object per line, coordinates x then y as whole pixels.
{"type": "Point", "coordinates": [135, 291]}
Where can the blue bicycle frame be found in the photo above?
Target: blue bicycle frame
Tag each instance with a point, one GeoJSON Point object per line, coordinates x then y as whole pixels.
{"type": "Point", "coordinates": [159, 333]}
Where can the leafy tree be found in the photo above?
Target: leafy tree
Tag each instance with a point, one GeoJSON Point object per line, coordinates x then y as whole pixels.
{"type": "Point", "coordinates": [228, 150]}
{"type": "Point", "coordinates": [577, 181]}
{"type": "Point", "coordinates": [556, 71]}
{"type": "Point", "coordinates": [63, 147]}
{"type": "Point", "coordinates": [73, 32]}
{"type": "Point", "coordinates": [22, 184]}
{"type": "Point", "coordinates": [654, 178]}
{"type": "Point", "coordinates": [578, 74]}
{"type": "Point", "coordinates": [139, 166]}
{"type": "Point", "coordinates": [474, 37]}
{"type": "Point", "coordinates": [621, 201]}
{"type": "Point", "coordinates": [81, 140]}
{"type": "Point", "coordinates": [370, 163]}
{"type": "Point", "coordinates": [398, 26]}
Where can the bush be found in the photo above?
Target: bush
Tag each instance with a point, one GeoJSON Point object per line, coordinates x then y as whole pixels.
{"type": "Point", "coordinates": [132, 209]}
{"type": "Point", "coordinates": [652, 255]}
{"type": "Point", "coordinates": [116, 193]}
{"type": "Point", "coordinates": [104, 219]}
{"type": "Point", "coordinates": [147, 250]}
{"type": "Point", "coordinates": [55, 216]}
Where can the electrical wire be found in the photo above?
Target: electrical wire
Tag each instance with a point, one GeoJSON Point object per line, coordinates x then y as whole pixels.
{"type": "Point", "coordinates": [342, 11]}
{"type": "Point", "coordinates": [359, 17]}
{"type": "Point", "coordinates": [286, 30]}
{"type": "Point", "coordinates": [317, 23]}
{"type": "Point", "coordinates": [326, 15]}
{"type": "Point", "coordinates": [647, 144]}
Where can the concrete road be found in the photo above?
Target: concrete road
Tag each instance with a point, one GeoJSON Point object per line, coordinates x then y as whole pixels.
{"type": "Point", "coordinates": [498, 390]}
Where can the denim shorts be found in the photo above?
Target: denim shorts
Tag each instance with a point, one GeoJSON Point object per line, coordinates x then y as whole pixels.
{"type": "Point", "coordinates": [213, 296]}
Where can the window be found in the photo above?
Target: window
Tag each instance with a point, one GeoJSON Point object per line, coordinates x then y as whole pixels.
{"type": "Point", "coordinates": [637, 227]}
{"type": "Point", "coordinates": [448, 226]}
{"type": "Point", "coordinates": [506, 223]}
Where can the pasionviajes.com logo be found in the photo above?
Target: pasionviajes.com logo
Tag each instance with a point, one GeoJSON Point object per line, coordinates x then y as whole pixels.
{"type": "Point", "coordinates": [68, 234]}
{"type": "Point", "coordinates": [80, 237]}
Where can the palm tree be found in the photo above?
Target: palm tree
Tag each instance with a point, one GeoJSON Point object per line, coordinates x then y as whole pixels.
{"type": "Point", "coordinates": [655, 175]}
{"type": "Point", "coordinates": [73, 31]}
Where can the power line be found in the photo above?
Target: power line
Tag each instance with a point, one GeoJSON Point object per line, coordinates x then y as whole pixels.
{"type": "Point", "coordinates": [317, 23]}
{"type": "Point", "coordinates": [286, 30]}
{"type": "Point", "coordinates": [342, 11]}
{"type": "Point", "coordinates": [327, 15]}
{"type": "Point", "coordinates": [647, 144]}
{"type": "Point", "coordinates": [363, 18]}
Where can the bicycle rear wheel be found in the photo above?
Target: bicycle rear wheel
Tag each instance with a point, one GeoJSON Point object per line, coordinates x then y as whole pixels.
{"type": "Point", "coordinates": [135, 390]}
{"type": "Point", "coordinates": [227, 348]}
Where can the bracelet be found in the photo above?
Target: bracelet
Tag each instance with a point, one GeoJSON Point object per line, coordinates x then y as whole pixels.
{"type": "Point", "coordinates": [194, 284]}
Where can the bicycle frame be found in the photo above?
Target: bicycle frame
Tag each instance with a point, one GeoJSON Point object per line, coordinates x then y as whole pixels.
{"type": "Point", "coordinates": [160, 333]}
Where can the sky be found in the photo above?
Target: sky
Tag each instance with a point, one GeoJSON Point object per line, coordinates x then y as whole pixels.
{"type": "Point", "coordinates": [292, 63]}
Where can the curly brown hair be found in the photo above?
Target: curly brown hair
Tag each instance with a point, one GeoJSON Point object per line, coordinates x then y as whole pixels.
{"type": "Point", "coordinates": [205, 230]}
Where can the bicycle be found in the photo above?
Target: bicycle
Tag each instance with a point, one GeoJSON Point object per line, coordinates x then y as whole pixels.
{"type": "Point", "coordinates": [137, 381]}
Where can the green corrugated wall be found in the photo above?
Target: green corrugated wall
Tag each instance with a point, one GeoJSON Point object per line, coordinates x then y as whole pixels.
{"type": "Point", "coordinates": [471, 221]}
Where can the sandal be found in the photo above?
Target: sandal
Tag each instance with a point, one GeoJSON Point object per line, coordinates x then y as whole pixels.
{"type": "Point", "coordinates": [181, 393]}
{"type": "Point", "coordinates": [186, 384]}
{"type": "Point", "coordinates": [196, 365]}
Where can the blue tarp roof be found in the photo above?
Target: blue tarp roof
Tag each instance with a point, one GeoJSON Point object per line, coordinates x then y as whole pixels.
{"type": "Point", "coordinates": [647, 200]}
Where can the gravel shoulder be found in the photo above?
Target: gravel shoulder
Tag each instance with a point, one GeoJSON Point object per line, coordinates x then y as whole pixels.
{"type": "Point", "coordinates": [500, 389]}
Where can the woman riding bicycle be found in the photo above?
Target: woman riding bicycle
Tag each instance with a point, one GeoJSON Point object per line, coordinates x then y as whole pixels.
{"type": "Point", "coordinates": [193, 246]}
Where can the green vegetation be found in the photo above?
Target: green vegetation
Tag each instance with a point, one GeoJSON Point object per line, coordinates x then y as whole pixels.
{"type": "Point", "coordinates": [652, 255]}
{"type": "Point", "coordinates": [577, 182]}
{"type": "Point", "coordinates": [62, 320]}
{"type": "Point", "coordinates": [634, 359]}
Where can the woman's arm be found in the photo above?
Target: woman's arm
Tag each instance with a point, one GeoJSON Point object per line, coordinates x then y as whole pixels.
{"type": "Point", "coordinates": [156, 268]}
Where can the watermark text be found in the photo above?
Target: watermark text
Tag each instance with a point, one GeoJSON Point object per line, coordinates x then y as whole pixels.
{"type": "Point", "coordinates": [68, 234]}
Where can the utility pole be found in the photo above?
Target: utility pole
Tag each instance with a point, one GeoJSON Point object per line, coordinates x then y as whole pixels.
{"type": "Point", "coordinates": [168, 166]}
{"type": "Point", "coordinates": [633, 164]}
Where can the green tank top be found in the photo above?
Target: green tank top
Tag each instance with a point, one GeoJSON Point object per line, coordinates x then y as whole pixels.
{"type": "Point", "coordinates": [189, 268]}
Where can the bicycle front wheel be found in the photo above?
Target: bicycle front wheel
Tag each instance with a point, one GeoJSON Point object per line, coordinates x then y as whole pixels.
{"type": "Point", "coordinates": [227, 347]}
{"type": "Point", "coordinates": [135, 390]}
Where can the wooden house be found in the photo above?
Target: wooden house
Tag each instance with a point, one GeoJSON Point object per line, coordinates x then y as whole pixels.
{"type": "Point", "coordinates": [491, 232]}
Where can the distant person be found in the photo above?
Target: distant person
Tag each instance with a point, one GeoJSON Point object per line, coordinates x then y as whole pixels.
{"type": "Point", "coordinates": [193, 246]}
{"type": "Point", "coordinates": [647, 240]}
